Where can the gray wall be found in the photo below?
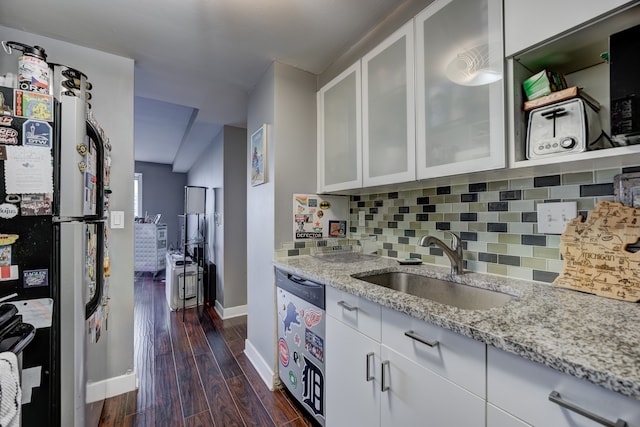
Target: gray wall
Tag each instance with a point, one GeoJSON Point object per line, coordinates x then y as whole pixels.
{"type": "Point", "coordinates": [112, 78]}
{"type": "Point", "coordinates": [285, 100]}
{"type": "Point", "coordinates": [163, 193]}
{"type": "Point", "coordinates": [222, 169]}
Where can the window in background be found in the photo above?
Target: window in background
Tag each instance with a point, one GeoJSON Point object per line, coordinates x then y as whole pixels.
{"type": "Point", "coordinates": [137, 195]}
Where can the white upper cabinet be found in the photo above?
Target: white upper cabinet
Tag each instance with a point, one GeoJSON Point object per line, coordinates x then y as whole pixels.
{"type": "Point", "coordinates": [527, 23]}
{"type": "Point", "coordinates": [459, 88]}
{"type": "Point", "coordinates": [388, 110]}
{"type": "Point", "coordinates": [339, 132]}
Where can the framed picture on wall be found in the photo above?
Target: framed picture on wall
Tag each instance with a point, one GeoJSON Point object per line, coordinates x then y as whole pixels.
{"type": "Point", "coordinates": [258, 156]}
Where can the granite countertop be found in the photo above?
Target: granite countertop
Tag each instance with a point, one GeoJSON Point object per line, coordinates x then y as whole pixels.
{"type": "Point", "coordinates": [587, 336]}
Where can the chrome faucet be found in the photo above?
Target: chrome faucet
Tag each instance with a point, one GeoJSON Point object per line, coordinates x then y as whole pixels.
{"type": "Point", "coordinates": [454, 253]}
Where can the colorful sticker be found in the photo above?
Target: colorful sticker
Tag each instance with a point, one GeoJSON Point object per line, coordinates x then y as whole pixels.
{"type": "Point", "coordinates": [283, 351]}
{"type": "Point", "coordinates": [291, 318]}
{"type": "Point", "coordinates": [8, 210]}
{"type": "Point", "coordinates": [8, 272]}
{"type": "Point", "coordinates": [6, 101]}
{"type": "Point", "coordinates": [36, 133]}
{"type": "Point", "coordinates": [297, 340]}
{"type": "Point", "coordinates": [312, 317]}
{"type": "Point", "coordinates": [36, 204]}
{"type": "Point", "coordinates": [325, 205]}
{"type": "Point", "coordinates": [35, 278]}
{"type": "Point", "coordinates": [293, 380]}
{"type": "Point", "coordinates": [8, 136]}
{"type": "Point", "coordinates": [338, 229]}
{"type": "Point", "coordinates": [296, 358]}
{"type": "Point", "coordinates": [301, 200]}
{"type": "Point", "coordinates": [5, 255]}
{"type": "Point", "coordinates": [6, 120]}
{"type": "Point", "coordinates": [313, 203]}
{"type": "Point", "coordinates": [34, 105]}
{"type": "Point", "coordinates": [314, 344]}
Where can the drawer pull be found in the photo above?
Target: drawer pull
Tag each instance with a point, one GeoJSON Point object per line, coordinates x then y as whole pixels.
{"type": "Point", "coordinates": [555, 397]}
{"type": "Point", "coordinates": [383, 384]}
{"type": "Point", "coordinates": [418, 338]}
{"type": "Point", "coordinates": [347, 306]}
{"type": "Point", "coordinates": [368, 358]}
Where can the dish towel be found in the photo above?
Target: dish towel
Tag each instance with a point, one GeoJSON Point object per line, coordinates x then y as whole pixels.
{"type": "Point", "coordinates": [10, 392]}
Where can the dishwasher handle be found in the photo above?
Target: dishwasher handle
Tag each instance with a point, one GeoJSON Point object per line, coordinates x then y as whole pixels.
{"type": "Point", "coordinates": [303, 282]}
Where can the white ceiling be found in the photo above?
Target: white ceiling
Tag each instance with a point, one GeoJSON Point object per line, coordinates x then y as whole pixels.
{"type": "Point", "coordinates": [197, 60]}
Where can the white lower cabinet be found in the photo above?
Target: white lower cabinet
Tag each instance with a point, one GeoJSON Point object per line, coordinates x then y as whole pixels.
{"type": "Point", "coordinates": [522, 388]}
{"type": "Point", "coordinates": [351, 398]}
{"type": "Point", "coordinates": [376, 383]}
{"type": "Point", "coordinates": [415, 396]}
{"type": "Point", "coordinates": [496, 417]}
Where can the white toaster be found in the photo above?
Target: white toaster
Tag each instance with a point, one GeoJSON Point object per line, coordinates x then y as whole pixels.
{"type": "Point", "coordinates": [565, 127]}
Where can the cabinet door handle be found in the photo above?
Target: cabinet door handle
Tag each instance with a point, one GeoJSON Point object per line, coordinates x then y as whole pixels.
{"type": "Point", "coordinates": [383, 384]}
{"type": "Point", "coordinates": [368, 360]}
{"type": "Point", "coordinates": [555, 397]}
{"type": "Point", "coordinates": [347, 306]}
{"type": "Point", "coordinates": [414, 336]}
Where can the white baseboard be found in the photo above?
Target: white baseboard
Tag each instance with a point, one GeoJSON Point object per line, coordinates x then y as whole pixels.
{"type": "Point", "coordinates": [261, 365]}
{"type": "Point", "coordinates": [229, 312]}
{"type": "Point", "coordinates": [111, 387]}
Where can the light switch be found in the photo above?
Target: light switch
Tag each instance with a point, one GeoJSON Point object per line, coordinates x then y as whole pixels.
{"type": "Point", "coordinates": [117, 219]}
{"type": "Point", "coordinates": [553, 217]}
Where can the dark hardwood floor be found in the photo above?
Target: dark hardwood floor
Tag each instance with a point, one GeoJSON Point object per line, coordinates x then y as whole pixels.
{"type": "Point", "coordinates": [193, 372]}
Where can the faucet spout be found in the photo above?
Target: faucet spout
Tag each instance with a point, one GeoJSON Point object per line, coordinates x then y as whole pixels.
{"type": "Point", "coordinates": [454, 253]}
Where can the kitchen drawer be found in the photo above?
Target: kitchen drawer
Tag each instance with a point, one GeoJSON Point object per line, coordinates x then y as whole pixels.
{"type": "Point", "coordinates": [522, 387]}
{"type": "Point", "coordinates": [360, 314]}
{"type": "Point", "coordinates": [455, 357]}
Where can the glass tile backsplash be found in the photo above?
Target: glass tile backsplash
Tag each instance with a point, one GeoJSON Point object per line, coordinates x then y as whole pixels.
{"type": "Point", "coordinates": [496, 220]}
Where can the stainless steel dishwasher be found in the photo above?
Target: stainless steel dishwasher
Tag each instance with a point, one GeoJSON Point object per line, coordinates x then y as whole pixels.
{"type": "Point", "coordinates": [301, 328]}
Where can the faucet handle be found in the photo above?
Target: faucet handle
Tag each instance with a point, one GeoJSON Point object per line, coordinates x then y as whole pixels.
{"type": "Point", "coordinates": [456, 243]}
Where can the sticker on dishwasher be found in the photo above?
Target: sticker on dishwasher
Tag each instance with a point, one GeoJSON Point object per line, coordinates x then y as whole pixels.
{"type": "Point", "coordinates": [293, 380]}
{"type": "Point", "coordinates": [314, 344]}
{"type": "Point", "coordinates": [290, 318]}
{"type": "Point", "coordinates": [313, 387]}
{"type": "Point", "coordinates": [283, 350]}
{"type": "Point", "coordinates": [297, 340]}
{"type": "Point", "coordinates": [312, 317]}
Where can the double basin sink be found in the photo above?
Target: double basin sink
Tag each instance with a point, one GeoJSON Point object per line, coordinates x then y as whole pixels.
{"type": "Point", "coordinates": [438, 290]}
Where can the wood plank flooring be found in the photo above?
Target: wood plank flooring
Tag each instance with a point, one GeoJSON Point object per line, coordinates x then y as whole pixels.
{"type": "Point", "coordinates": [193, 372]}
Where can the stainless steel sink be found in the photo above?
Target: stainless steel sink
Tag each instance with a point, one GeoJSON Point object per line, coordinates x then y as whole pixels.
{"type": "Point", "coordinates": [442, 291]}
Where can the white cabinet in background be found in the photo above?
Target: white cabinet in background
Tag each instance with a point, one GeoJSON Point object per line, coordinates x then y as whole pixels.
{"type": "Point", "coordinates": [388, 110]}
{"type": "Point", "coordinates": [150, 247]}
{"type": "Point", "coordinates": [527, 23]}
{"type": "Point", "coordinates": [340, 132]}
{"type": "Point", "coordinates": [522, 388]}
{"type": "Point", "coordinates": [459, 88]}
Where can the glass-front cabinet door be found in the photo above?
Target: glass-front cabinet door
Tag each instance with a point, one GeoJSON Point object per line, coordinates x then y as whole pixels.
{"type": "Point", "coordinates": [339, 132]}
{"type": "Point", "coordinates": [459, 88]}
{"type": "Point", "coordinates": [388, 110]}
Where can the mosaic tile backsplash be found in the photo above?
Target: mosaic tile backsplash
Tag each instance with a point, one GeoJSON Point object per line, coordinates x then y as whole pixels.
{"type": "Point", "coordinates": [496, 220]}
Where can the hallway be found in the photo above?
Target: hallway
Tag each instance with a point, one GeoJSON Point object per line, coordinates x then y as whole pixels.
{"type": "Point", "coordinates": [193, 372]}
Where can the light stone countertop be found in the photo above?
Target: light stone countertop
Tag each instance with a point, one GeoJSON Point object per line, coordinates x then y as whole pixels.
{"type": "Point", "coordinates": [587, 336]}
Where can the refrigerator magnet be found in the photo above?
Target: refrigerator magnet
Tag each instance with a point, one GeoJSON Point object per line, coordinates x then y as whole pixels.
{"type": "Point", "coordinates": [35, 278]}
{"type": "Point", "coordinates": [8, 136]}
{"type": "Point", "coordinates": [8, 210]}
{"type": "Point", "coordinates": [36, 133]}
{"type": "Point", "coordinates": [5, 255]}
{"type": "Point", "coordinates": [36, 205]}
{"type": "Point", "coordinates": [8, 272]}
